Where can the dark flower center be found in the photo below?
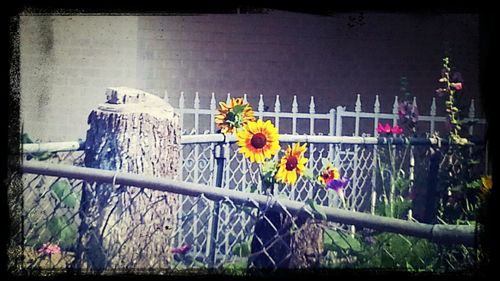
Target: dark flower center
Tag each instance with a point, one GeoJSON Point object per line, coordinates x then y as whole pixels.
{"type": "Point", "coordinates": [258, 140]}
{"type": "Point", "coordinates": [291, 163]}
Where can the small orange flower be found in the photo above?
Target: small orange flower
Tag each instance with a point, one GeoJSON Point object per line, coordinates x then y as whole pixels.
{"type": "Point", "coordinates": [292, 164]}
{"type": "Point", "coordinates": [487, 182]}
{"type": "Point", "coordinates": [233, 115]}
{"type": "Point", "coordinates": [328, 174]}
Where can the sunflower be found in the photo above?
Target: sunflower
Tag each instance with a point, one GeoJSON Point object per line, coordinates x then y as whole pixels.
{"type": "Point", "coordinates": [258, 140]}
{"type": "Point", "coordinates": [233, 115]}
{"type": "Point", "coordinates": [292, 164]}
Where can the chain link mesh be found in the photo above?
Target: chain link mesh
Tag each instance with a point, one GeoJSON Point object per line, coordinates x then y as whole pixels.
{"type": "Point", "coordinates": [223, 235]}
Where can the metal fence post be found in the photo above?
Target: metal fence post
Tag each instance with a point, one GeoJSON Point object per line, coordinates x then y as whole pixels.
{"type": "Point", "coordinates": [219, 163]}
{"type": "Point", "coordinates": [430, 211]}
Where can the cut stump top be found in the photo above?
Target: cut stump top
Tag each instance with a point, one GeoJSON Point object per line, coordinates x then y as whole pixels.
{"type": "Point", "coordinates": [130, 100]}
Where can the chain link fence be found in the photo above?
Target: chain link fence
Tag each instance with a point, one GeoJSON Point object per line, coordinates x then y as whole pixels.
{"type": "Point", "coordinates": [225, 235]}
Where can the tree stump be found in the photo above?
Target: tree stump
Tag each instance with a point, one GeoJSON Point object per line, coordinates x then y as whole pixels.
{"type": "Point", "coordinates": [125, 228]}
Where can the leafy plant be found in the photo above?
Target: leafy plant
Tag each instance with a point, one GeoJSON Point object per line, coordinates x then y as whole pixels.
{"type": "Point", "coordinates": [63, 190]}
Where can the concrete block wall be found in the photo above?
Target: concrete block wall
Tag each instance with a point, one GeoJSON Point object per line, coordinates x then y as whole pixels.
{"type": "Point", "coordinates": [67, 62]}
{"type": "Point", "coordinates": [332, 58]}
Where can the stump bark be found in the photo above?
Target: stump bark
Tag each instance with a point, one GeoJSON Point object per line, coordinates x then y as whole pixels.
{"type": "Point", "coordinates": [125, 228]}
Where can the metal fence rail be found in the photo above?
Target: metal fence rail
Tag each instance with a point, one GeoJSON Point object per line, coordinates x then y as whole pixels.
{"type": "Point", "coordinates": [460, 234]}
{"type": "Point", "coordinates": [221, 138]}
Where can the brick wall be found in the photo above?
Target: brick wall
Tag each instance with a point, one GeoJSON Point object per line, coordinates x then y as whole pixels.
{"type": "Point", "coordinates": [66, 62]}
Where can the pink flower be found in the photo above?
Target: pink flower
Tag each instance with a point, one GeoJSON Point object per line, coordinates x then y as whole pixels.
{"type": "Point", "coordinates": [457, 86]}
{"type": "Point", "coordinates": [181, 250]}
{"type": "Point", "coordinates": [49, 249]}
{"type": "Point", "coordinates": [397, 130]}
{"type": "Point", "coordinates": [383, 129]}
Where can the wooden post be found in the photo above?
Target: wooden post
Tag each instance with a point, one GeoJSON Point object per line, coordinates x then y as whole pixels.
{"type": "Point", "coordinates": [126, 228]}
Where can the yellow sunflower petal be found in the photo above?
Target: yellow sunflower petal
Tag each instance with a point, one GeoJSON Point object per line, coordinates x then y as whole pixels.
{"type": "Point", "coordinates": [321, 180]}
{"type": "Point", "coordinates": [292, 177]}
{"type": "Point", "coordinates": [252, 127]}
{"type": "Point", "coordinates": [267, 153]}
{"type": "Point", "coordinates": [258, 157]}
{"type": "Point", "coordinates": [303, 160]}
{"type": "Point", "coordinates": [279, 174]}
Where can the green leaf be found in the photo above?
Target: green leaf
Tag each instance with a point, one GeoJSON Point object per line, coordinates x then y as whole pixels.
{"type": "Point", "coordinates": [409, 267]}
{"type": "Point", "coordinates": [473, 162]}
{"type": "Point", "coordinates": [334, 238]}
{"type": "Point", "coordinates": [68, 236]}
{"type": "Point", "coordinates": [402, 184]}
{"type": "Point", "coordinates": [25, 138]}
{"type": "Point", "coordinates": [353, 242]}
{"type": "Point", "coordinates": [329, 246]}
{"type": "Point", "coordinates": [269, 166]}
{"type": "Point", "coordinates": [56, 224]}
{"type": "Point", "coordinates": [325, 162]}
{"type": "Point", "coordinates": [43, 156]}
{"type": "Point", "coordinates": [238, 267]}
{"type": "Point", "coordinates": [242, 249]}
{"type": "Point", "coordinates": [238, 109]}
{"type": "Point", "coordinates": [253, 187]}
{"type": "Point", "coordinates": [62, 189]}
{"type": "Point", "coordinates": [331, 237]}
{"type": "Point", "coordinates": [315, 208]}
{"type": "Point", "coordinates": [474, 184]}
{"type": "Point", "coordinates": [308, 174]}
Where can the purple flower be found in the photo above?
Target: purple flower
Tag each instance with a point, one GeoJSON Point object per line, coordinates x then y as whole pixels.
{"type": "Point", "coordinates": [339, 184]}
{"type": "Point", "coordinates": [181, 250]}
{"type": "Point", "coordinates": [408, 112]}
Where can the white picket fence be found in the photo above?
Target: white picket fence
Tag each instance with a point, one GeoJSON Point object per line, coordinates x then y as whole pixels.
{"type": "Point", "coordinates": [335, 117]}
